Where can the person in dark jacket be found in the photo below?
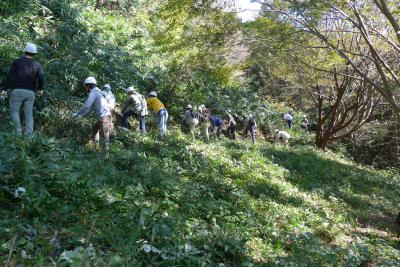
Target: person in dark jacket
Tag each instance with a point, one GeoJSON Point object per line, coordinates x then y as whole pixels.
{"type": "Point", "coordinates": [25, 78]}
{"type": "Point", "coordinates": [251, 127]}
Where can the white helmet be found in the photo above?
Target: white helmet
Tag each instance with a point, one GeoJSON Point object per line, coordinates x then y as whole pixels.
{"type": "Point", "coordinates": [90, 80]}
{"type": "Point", "coordinates": [153, 93]}
{"type": "Point", "coordinates": [130, 89]}
{"type": "Point", "coordinates": [31, 48]}
{"type": "Point", "coordinates": [107, 87]}
{"type": "Point", "coordinates": [189, 106]}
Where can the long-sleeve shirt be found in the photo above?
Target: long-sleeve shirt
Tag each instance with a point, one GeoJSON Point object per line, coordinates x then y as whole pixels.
{"type": "Point", "coordinates": [231, 121]}
{"type": "Point", "coordinates": [144, 111]}
{"type": "Point", "coordinates": [137, 103]}
{"type": "Point", "coordinates": [216, 121]}
{"type": "Point", "coordinates": [287, 117]}
{"type": "Point", "coordinates": [282, 135]}
{"type": "Point", "coordinates": [110, 99]}
{"type": "Point", "coordinates": [153, 103]}
{"type": "Point", "coordinates": [190, 117]}
{"type": "Point", "coordinates": [25, 73]}
{"type": "Point", "coordinates": [251, 124]}
{"type": "Point", "coordinates": [132, 103]}
{"type": "Point", "coordinates": [94, 102]}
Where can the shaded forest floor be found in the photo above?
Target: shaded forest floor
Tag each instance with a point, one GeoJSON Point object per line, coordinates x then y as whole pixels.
{"type": "Point", "coordinates": [173, 202]}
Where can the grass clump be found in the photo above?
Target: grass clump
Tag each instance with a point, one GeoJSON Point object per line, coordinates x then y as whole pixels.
{"type": "Point", "coordinates": [171, 202]}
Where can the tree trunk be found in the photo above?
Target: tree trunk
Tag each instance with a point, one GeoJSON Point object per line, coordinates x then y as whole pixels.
{"type": "Point", "coordinates": [99, 3]}
{"type": "Point", "coordinates": [321, 141]}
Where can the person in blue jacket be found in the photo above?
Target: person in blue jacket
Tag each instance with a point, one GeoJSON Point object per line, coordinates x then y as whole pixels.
{"type": "Point", "coordinates": [217, 123]}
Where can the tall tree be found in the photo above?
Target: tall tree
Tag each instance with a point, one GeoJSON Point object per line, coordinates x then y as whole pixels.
{"type": "Point", "coordinates": [371, 25]}
{"type": "Point", "coordinates": [342, 108]}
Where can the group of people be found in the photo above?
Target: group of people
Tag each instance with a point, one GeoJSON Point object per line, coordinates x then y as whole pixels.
{"type": "Point", "coordinates": [305, 124]}
{"type": "Point", "coordinates": [207, 122]}
{"type": "Point", "coordinates": [103, 103]}
{"type": "Point", "coordinates": [137, 106]}
{"type": "Point", "coordinates": [26, 78]}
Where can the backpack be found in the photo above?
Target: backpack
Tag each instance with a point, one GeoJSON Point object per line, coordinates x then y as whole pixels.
{"type": "Point", "coordinates": [195, 117]}
{"type": "Point", "coordinates": [252, 122]}
{"type": "Point", "coordinates": [203, 117]}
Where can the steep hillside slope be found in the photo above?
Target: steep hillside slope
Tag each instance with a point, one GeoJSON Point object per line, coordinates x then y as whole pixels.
{"type": "Point", "coordinates": [171, 202]}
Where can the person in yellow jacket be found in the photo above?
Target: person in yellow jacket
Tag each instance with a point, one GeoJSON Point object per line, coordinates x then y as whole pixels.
{"type": "Point", "coordinates": [154, 104]}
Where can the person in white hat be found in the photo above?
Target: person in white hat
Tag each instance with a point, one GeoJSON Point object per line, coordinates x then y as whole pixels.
{"type": "Point", "coordinates": [191, 120]}
{"type": "Point", "coordinates": [25, 78]}
{"type": "Point", "coordinates": [158, 107]}
{"type": "Point", "coordinates": [97, 103]}
{"type": "Point", "coordinates": [135, 105]}
{"type": "Point", "coordinates": [304, 123]}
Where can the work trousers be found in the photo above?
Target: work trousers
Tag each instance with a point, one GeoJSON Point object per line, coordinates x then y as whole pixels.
{"type": "Point", "coordinates": [17, 98]}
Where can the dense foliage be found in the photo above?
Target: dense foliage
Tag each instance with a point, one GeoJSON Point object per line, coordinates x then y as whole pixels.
{"type": "Point", "coordinates": [180, 202]}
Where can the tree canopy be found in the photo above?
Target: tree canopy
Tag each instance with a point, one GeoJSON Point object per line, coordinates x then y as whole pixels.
{"type": "Point", "coordinates": [329, 197]}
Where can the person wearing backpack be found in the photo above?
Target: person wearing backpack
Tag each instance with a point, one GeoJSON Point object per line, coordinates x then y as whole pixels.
{"type": "Point", "coordinates": [136, 106]}
{"type": "Point", "coordinates": [190, 119]}
{"type": "Point", "coordinates": [251, 127]}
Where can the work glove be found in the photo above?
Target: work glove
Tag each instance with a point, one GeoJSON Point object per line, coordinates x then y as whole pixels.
{"type": "Point", "coordinates": [40, 93]}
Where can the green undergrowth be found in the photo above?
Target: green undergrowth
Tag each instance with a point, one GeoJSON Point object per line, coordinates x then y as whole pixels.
{"type": "Point", "coordinates": [173, 202]}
